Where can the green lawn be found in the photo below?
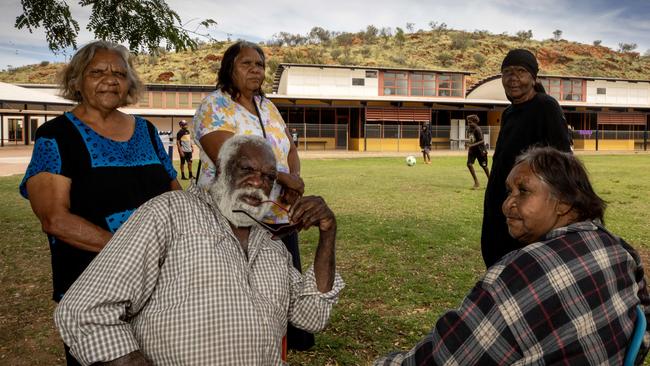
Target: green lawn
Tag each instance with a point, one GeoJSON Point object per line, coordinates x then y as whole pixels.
{"type": "Point", "coordinates": [408, 248]}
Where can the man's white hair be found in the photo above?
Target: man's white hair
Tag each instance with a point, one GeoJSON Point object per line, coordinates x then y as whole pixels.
{"type": "Point", "coordinates": [230, 148]}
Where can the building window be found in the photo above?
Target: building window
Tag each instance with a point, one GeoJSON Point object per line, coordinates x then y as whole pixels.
{"type": "Point", "coordinates": [157, 99]}
{"type": "Point", "coordinates": [564, 89]}
{"type": "Point", "coordinates": [572, 90]}
{"type": "Point", "coordinates": [450, 85]}
{"type": "Point", "coordinates": [170, 100]}
{"type": "Point", "coordinates": [601, 91]}
{"type": "Point", "coordinates": [358, 81]}
{"type": "Point", "coordinates": [423, 84]}
{"type": "Point", "coordinates": [395, 83]}
{"type": "Point", "coordinates": [144, 100]}
{"type": "Point", "coordinates": [183, 100]}
{"type": "Point", "coordinates": [196, 99]}
{"type": "Point", "coordinates": [371, 74]}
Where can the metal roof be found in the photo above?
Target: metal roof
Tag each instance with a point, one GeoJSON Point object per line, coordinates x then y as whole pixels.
{"type": "Point", "coordinates": [14, 93]}
{"type": "Point", "coordinates": [497, 76]}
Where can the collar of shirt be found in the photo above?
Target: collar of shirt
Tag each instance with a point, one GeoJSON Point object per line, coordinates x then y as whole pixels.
{"type": "Point", "coordinates": [587, 225]}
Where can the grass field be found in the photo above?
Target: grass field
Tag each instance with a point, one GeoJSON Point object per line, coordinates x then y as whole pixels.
{"type": "Point", "coordinates": [408, 248]}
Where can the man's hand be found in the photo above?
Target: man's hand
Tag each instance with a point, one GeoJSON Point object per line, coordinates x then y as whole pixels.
{"type": "Point", "coordinates": [313, 211]}
{"type": "Point", "coordinates": [289, 196]}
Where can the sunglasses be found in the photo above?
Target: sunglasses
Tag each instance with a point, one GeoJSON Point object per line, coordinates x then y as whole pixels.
{"type": "Point", "coordinates": [278, 232]}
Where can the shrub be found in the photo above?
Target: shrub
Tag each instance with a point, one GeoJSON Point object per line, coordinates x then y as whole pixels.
{"type": "Point", "coordinates": [479, 59]}
{"type": "Point", "coordinates": [523, 35]}
{"type": "Point", "coordinates": [460, 41]}
{"type": "Point", "coordinates": [445, 58]}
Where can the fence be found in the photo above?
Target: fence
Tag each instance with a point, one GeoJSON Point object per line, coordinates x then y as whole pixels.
{"type": "Point", "coordinates": [320, 136]}
{"type": "Point", "coordinates": [404, 137]}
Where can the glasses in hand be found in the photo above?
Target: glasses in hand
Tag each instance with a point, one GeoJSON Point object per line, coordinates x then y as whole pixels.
{"type": "Point", "coordinates": [277, 232]}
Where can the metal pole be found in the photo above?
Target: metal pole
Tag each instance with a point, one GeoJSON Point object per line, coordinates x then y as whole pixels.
{"type": "Point", "coordinates": [26, 128]}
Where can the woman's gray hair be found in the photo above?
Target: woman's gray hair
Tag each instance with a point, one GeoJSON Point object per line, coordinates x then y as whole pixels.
{"type": "Point", "coordinates": [71, 77]}
{"type": "Point", "coordinates": [230, 148]}
{"type": "Point", "coordinates": [567, 179]}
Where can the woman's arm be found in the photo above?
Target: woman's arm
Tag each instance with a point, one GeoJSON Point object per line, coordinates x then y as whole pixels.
{"type": "Point", "coordinates": [212, 142]}
{"type": "Point", "coordinates": [49, 196]}
{"type": "Point", "coordinates": [293, 185]}
{"type": "Point", "coordinates": [174, 185]}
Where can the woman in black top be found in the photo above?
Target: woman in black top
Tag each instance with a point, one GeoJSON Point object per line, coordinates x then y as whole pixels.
{"type": "Point", "coordinates": [533, 118]}
{"type": "Point", "coordinates": [93, 166]}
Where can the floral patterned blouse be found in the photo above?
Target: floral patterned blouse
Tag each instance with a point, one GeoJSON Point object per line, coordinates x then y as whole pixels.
{"type": "Point", "coordinates": [219, 112]}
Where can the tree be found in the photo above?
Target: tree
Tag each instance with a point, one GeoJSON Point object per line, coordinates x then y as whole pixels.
{"type": "Point", "coordinates": [371, 33]}
{"type": "Point", "coordinates": [410, 27]}
{"type": "Point", "coordinates": [557, 35]}
{"type": "Point", "coordinates": [385, 33]}
{"type": "Point", "coordinates": [523, 35]}
{"type": "Point", "coordinates": [626, 47]}
{"type": "Point", "coordinates": [438, 27]}
{"type": "Point", "coordinates": [399, 36]}
{"type": "Point", "coordinates": [597, 42]}
{"type": "Point", "coordinates": [319, 35]}
{"type": "Point", "coordinates": [143, 24]}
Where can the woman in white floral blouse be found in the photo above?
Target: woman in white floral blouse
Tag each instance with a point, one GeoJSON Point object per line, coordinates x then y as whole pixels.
{"type": "Point", "coordinates": [239, 106]}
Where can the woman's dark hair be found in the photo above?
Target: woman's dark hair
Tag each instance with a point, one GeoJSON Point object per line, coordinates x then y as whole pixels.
{"type": "Point", "coordinates": [567, 179]}
{"type": "Point", "coordinates": [225, 80]}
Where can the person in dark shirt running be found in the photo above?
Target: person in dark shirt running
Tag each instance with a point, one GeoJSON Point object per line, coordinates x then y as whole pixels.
{"type": "Point", "coordinates": [425, 143]}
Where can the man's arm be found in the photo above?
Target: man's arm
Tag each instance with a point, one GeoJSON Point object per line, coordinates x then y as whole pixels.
{"type": "Point", "coordinates": [178, 144]}
{"type": "Point", "coordinates": [93, 317]}
{"type": "Point", "coordinates": [312, 211]}
{"type": "Point", "coordinates": [315, 292]}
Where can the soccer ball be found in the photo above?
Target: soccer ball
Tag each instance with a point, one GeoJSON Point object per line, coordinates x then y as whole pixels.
{"type": "Point", "coordinates": [410, 160]}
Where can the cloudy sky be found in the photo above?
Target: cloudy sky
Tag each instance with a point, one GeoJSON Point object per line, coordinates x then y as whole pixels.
{"type": "Point", "coordinates": [613, 22]}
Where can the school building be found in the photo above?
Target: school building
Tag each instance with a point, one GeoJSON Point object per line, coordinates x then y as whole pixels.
{"type": "Point", "coordinates": [363, 108]}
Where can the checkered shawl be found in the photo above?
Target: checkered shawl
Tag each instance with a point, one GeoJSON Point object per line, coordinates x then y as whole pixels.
{"type": "Point", "coordinates": [174, 282]}
{"type": "Point", "coordinates": [569, 299]}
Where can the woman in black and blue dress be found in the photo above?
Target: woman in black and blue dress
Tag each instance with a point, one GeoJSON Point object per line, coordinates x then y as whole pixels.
{"type": "Point", "coordinates": [93, 166]}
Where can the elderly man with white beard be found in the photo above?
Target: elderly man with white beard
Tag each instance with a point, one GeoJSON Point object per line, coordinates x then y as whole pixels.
{"type": "Point", "coordinates": [192, 278]}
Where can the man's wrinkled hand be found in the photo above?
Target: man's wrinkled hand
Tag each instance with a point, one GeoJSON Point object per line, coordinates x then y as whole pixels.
{"type": "Point", "coordinates": [313, 211]}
